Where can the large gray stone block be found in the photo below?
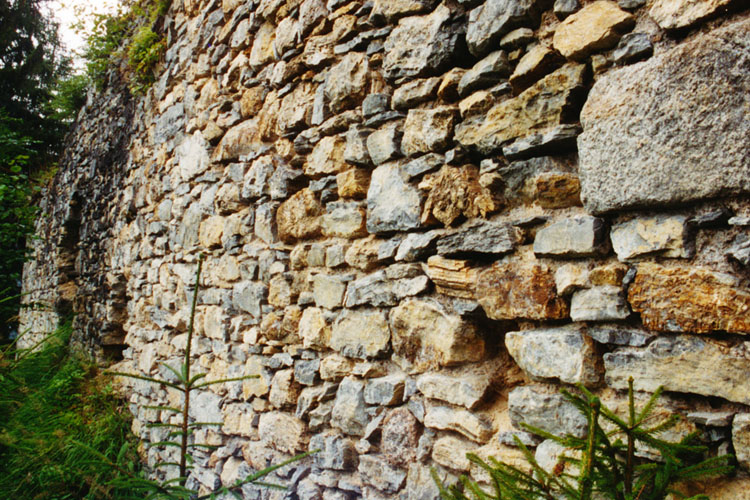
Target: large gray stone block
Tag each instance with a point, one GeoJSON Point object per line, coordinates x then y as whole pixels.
{"type": "Point", "coordinates": [664, 132]}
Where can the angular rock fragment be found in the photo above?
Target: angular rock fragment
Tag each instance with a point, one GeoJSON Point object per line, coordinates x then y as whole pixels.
{"type": "Point", "coordinates": [539, 61]}
{"type": "Point", "coordinates": [574, 237]}
{"type": "Point", "coordinates": [348, 413]}
{"type": "Point", "coordinates": [346, 83]}
{"type": "Point", "coordinates": [494, 18]}
{"type": "Point", "coordinates": [678, 14]}
{"type": "Point", "coordinates": [361, 334]}
{"type": "Point", "coordinates": [600, 303]}
{"type": "Point", "coordinates": [642, 237]}
{"type": "Point", "coordinates": [327, 157]}
{"type": "Point", "coordinates": [385, 391]}
{"type": "Point", "coordinates": [465, 386]}
{"type": "Point", "coordinates": [380, 474]}
{"type": "Point", "coordinates": [379, 289]}
{"type": "Point", "coordinates": [466, 423]}
{"type": "Point", "coordinates": [485, 73]}
{"type": "Point", "coordinates": [392, 203]}
{"type": "Point", "coordinates": [741, 439]}
{"type": "Point", "coordinates": [550, 412]}
{"type": "Point", "coordinates": [484, 237]}
{"type": "Point", "coordinates": [519, 290]}
{"type": "Point", "coordinates": [597, 26]}
{"type": "Point", "coordinates": [689, 299]}
{"type": "Point", "coordinates": [554, 140]}
{"type": "Point", "coordinates": [299, 217]}
{"type": "Point", "coordinates": [456, 192]}
{"type": "Point", "coordinates": [385, 143]}
{"type": "Point", "coordinates": [283, 432]}
{"type": "Point", "coordinates": [683, 363]}
{"type": "Point", "coordinates": [565, 353]}
{"type": "Point", "coordinates": [455, 278]}
{"type": "Point", "coordinates": [428, 336]}
{"type": "Point", "coordinates": [415, 92]}
{"type": "Point", "coordinates": [428, 130]}
{"type": "Point", "coordinates": [344, 220]}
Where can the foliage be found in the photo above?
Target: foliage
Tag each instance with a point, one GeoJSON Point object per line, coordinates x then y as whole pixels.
{"type": "Point", "coordinates": [107, 47]}
{"type": "Point", "coordinates": [181, 432]}
{"type": "Point", "coordinates": [16, 216]}
{"type": "Point", "coordinates": [51, 399]}
{"type": "Point", "coordinates": [606, 461]}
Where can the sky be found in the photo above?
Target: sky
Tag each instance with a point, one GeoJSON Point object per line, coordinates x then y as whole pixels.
{"type": "Point", "coordinates": [68, 12]}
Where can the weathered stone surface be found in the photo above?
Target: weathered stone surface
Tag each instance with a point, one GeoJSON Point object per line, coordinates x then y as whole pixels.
{"type": "Point", "coordinates": [485, 73]}
{"type": "Point", "coordinates": [356, 151]}
{"type": "Point", "coordinates": [549, 102]}
{"type": "Point", "coordinates": [519, 290]}
{"type": "Point", "coordinates": [387, 10]}
{"type": "Point", "coordinates": [600, 303]}
{"type": "Point", "coordinates": [348, 413]}
{"type": "Point", "coordinates": [428, 130]}
{"type": "Point", "coordinates": [392, 203]}
{"type": "Point", "coordinates": [665, 236]}
{"type": "Point", "coordinates": [383, 476]}
{"type": "Point", "coordinates": [210, 232]}
{"type": "Point", "coordinates": [314, 329]}
{"type": "Point", "coordinates": [565, 353]}
{"type": "Point", "coordinates": [741, 439]}
{"type": "Point", "coordinates": [689, 299]}
{"type": "Point", "coordinates": [346, 82]}
{"type": "Point", "coordinates": [683, 363]}
{"type": "Point", "coordinates": [455, 278]}
{"type": "Point", "coordinates": [595, 27]}
{"type": "Point", "coordinates": [569, 278]}
{"type": "Point", "coordinates": [426, 335]}
{"type": "Point", "coordinates": [353, 183]}
{"type": "Point", "coordinates": [262, 51]}
{"type": "Point", "coordinates": [465, 386]}
{"type": "Point", "coordinates": [361, 334]}
{"type": "Point", "coordinates": [558, 139]}
{"type": "Point", "coordinates": [484, 237]}
{"type": "Point", "coordinates": [677, 14]}
{"type": "Point", "coordinates": [620, 335]}
{"type": "Point", "coordinates": [400, 437]}
{"type": "Point", "coordinates": [327, 157]}
{"type": "Point", "coordinates": [284, 390]}
{"type": "Point", "coordinates": [192, 156]}
{"type": "Point", "coordinates": [493, 19]}
{"type": "Point", "coordinates": [550, 412]}
{"type": "Point", "coordinates": [299, 217]}
{"type": "Point", "coordinates": [456, 192]}
{"type": "Point", "coordinates": [450, 451]}
{"type": "Point", "coordinates": [574, 237]}
{"type": "Point", "coordinates": [249, 296]}
{"type": "Point", "coordinates": [328, 290]}
{"type": "Point", "coordinates": [385, 391]}
{"type": "Point", "coordinates": [740, 250]}
{"type": "Point", "coordinates": [556, 190]}
{"type": "Point", "coordinates": [336, 452]}
{"type": "Point", "coordinates": [363, 254]}
{"type": "Point", "coordinates": [539, 61]}
{"type": "Point", "coordinates": [385, 143]}
{"type": "Point", "coordinates": [420, 45]}
{"type": "Point", "coordinates": [344, 220]}
{"type": "Point", "coordinates": [379, 289]}
{"type": "Point", "coordinates": [632, 47]}
{"type": "Point", "coordinates": [471, 425]}
{"type": "Point", "coordinates": [415, 92]}
{"type": "Point", "coordinates": [296, 108]}
{"type": "Point", "coordinates": [283, 432]}
{"type": "Point", "coordinates": [629, 154]}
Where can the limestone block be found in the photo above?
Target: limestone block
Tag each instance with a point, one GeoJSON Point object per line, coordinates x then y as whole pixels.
{"type": "Point", "coordinates": [280, 293]}
{"type": "Point", "coordinates": [485, 73]}
{"type": "Point", "coordinates": [361, 334]}
{"type": "Point", "coordinates": [335, 367]}
{"type": "Point", "coordinates": [336, 452]}
{"type": "Point", "coordinates": [392, 203]}
{"type": "Point", "coordinates": [677, 14]}
{"type": "Point", "coordinates": [427, 130]}
{"type": "Point", "coordinates": [556, 190]}
{"type": "Point", "coordinates": [385, 143]}
{"type": "Point", "coordinates": [519, 290]}
{"type": "Point", "coordinates": [248, 297]}
{"type": "Point", "coordinates": [689, 299]}
{"type": "Point", "coordinates": [683, 363]}
{"type": "Point", "coordinates": [210, 232]}
{"type": "Point", "coordinates": [450, 451]}
{"type": "Point", "coordinates": [415, 92]}
{"type": "Point", "coordinates": [353, 183]}
{"type": "Point", "coordinates": [471, 425]}
{"type": "Point", "coordinates": [344, 220]}
{"type": "Point", "coordinates": [326, 158]}
{"type": "Point", "coordinates": [363, 254]}
{"type": "Point", "coordinates": [545, 104]}
{"type": "Point", "coordinates": [283, 432]}
{"type": "Point", "coordinates": [494, 18]}
{"type": "Point", "coordinates": [550, 412]}
{"type": "Point", "coordinates": [600, 303]}
{"type": "Point", "coordinates": [328, 290]}
{"type": "Point", "coordinates": [455, 278]}
{"type": "Point", "coordinates": [390, 11]}
{"type": "Point", "coordinates": [741, 439]}
{"type": "Point", "coordinates": [262, 51]}
{"type": "Point", "coordinates": [538, 62]}
{"type": "Point", "coordinates": [630, 155]}
{"type": "Point", "coordinates": [238, 141]}
{"type": "Point", "coordinates": [356, 151]}
{"type": "Point", "coordinates": [377, 472]}
{"type": "Point", "coordinates": [215, 323]}
{"type": "Point", "coordinates": [284, 389]}
{"type": "Point", "coordinates": [666, 236]}
{"type": "Point", "coordinates": [569, 278]}
{"type": "Point", "coordinates": [480, 237]}
{"type": "Point", "coordinates": [428, 336]}
{"type": "Point", "coordinates": [597, 26]}
{"type": "Point", "coordinates": [378, 289]}
{"type": "Point", "coordinates": [420, 45]}
{"type": "Point", "coordinates": [296, 108]}
{"type": "Point", "coordinates": [464, 386]}
{"type": "Point", "coordinates": [299, 217]}
{"type": "Point", "coordinates": [565, 353]}
{"type": "Point", "coordinates": [574, 237]}
{"type": "Point", "coordinates": [348, 413]}
{"type": "Point", "coordinates": [346, 82]}
{"type": "Point", "coordinates": [192, 156]}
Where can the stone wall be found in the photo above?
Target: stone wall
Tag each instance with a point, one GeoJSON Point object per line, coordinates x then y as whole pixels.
{"type": "Point", "coordinates": [421, 219]}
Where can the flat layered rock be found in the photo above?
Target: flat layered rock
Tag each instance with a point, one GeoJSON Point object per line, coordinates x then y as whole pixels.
{"type": "Point", "coordinates": [683, 363]}
{"type": "Point", "coordinates": [689, 299]}
{"type": "Point", "coordinates": [678, 14]}
{"type": "Point", "coordinates": [597, 26]}
{"type": "Point", "coordinates": [630, 156]}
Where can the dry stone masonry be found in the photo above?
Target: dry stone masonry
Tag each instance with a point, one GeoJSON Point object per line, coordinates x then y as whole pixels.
{"type": "Point", "coordinates": [421, 219]}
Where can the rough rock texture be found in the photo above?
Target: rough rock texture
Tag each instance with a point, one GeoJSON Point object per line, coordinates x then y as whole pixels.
{"type": "Point", "coordinates": [405, 235]}
{"type": "Point", "coordinates": [686, 299]}
{"type": "Point", "coordinates": [629, 155]}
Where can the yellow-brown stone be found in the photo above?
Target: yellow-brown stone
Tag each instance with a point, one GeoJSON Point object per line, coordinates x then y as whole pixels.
{"type": "Point", "coordinates": [456, 191]}
{"type": "Point", "coordinates": [689, 299]}
{"type": "Point", "coordinates": [299, 217]}
{"type": "Point", "coordinates": [452, 277]}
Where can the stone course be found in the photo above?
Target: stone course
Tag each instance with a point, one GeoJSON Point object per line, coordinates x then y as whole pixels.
{"type": "Point", "coordinates": [420, 220]}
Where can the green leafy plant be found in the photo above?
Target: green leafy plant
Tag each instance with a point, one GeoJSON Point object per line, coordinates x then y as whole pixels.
{"type": "Point", "coordinates": [144, 53]}
{"type": "Point", "coordinates": [179, 436]}
{"type": "Point", "coordinates": [605, 460]}
{"type": "Point", "coordinates": [50, 400]}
